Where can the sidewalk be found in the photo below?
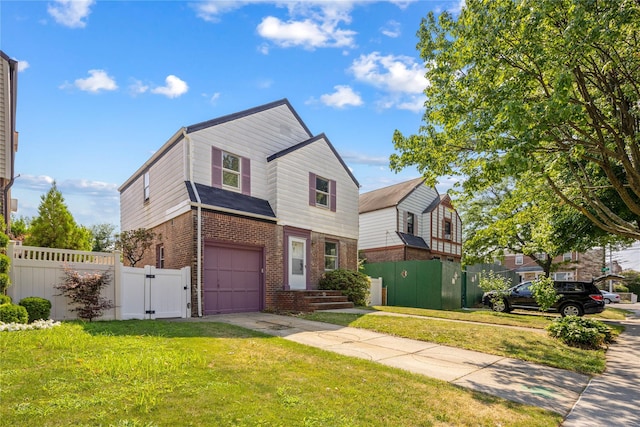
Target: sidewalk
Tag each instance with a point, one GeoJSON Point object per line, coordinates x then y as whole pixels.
{"type": "Point", "coordinates": [550, 388]}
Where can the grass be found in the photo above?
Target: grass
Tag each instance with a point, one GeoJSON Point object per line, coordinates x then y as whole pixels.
{"type": "Point", "coordinates": [480, 330]}
{"type": "Point", "coordinates": [157, 373]}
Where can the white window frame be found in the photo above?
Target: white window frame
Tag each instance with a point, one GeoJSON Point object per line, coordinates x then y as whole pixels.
{"type": "Point", "coordinates": [237, 173]}
{"type": "Point", "coordinates": [335, 257]}
{"type": "Point", "coordinates": [563, 275]}
{"type": "Point", "coordinates": [519, 259]}
{"type": "Point", "coordinates": [323, 194]}
{"type": "Point", "coordinates": [567, 256]}
{"type": "Point", "coordinates": [146, 185]}
{"type": "Point", "coordinates": [411, 223]}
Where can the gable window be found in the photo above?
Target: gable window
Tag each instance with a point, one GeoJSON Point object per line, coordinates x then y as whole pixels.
{"type": "Point", "coordinates": [230, 171]}
{"type": "Point", "coordinates": [330, 255]}
{"type": "Point", "coordinates": [519, 259]}
{"type": "Point", "coordinates": [411, 221]}
{"type": "Point", "coordinates": [146, 186]}
{"type": "Point", "coordinates": [447, 229]}
{"type": "Point", "coordinates": [322, 192]}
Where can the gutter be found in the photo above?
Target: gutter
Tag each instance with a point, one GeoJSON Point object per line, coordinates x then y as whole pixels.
{"type": "Point", "coordinates": [199, 225]}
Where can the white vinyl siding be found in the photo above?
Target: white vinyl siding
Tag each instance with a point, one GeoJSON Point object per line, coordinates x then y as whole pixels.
{"type": "Point", "coordinates": [168, 195]}
{"type": "Point", "coordinates": [5, 120]}
{"type": "Point", "coordinates": [289, 176]}
{"type": "Point", "coordinates": [255, 137]}
{"type": "Point", "coordinates": [378, 229]}
{"type": "Point", "coordinates": [416, 203]}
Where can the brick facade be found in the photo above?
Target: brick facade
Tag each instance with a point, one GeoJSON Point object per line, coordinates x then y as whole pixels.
{"type": "Point", "coordinates": [583, 266]}
{"type": "Point", "coordinates": [179, 240]}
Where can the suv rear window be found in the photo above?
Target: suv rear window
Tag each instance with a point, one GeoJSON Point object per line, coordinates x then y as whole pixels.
{"type": "Point", "coordinates": [570, 286]}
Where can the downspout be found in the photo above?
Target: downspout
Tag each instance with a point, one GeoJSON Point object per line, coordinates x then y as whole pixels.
{"type": "Point", "coordinates": [198, 227]}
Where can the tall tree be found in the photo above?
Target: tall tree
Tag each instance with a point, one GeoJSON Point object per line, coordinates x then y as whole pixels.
{"type": "Point", "coordinates": [546, 86]}
{"type": "Point", "coordinates": [103, 238]}
{"type": "Point", "coordinates": [54, 226]}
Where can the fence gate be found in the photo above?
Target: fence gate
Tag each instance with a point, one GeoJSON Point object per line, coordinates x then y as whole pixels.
{"type": "Point", "coordinates": [152, 293]}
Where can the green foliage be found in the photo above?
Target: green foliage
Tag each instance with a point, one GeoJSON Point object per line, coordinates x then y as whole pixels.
{"type": "Point", "coordinates": [19, 227]}
{"type": "Point", "coordinates": [13, 313]}
{"type": "Point", "coordinates": [84, 292]}
{"type": "Point", "coordinates": [495, 283]}
{"type": "Point", "coordinates": [134, 243]}
{"type": "Point", "coordinates": [632, 280]}
{"type": "Point", "coordinates": [508, 97]}
{"type": "Point", "coordinates": [5, 299]}
{"type": "Point", "coordinates": [102, 236]}
{"type": "Point", "coordinates": [581, 332]}
{"type": "Point", "coordinates": [355, 285]}
{"type": "Point", "coordinates": [5, 281]}
{"type": "Point", "coordinates": [544, 293]}
{"type": "Point", "coordinates": [54, 227]}
{"type": "Point", "coordinates": [37, 308]}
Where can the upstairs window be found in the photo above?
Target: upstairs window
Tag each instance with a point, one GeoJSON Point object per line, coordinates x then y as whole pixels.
{"type": "Point", "coordinates": [330, 255]}
{"type": "Point", "coordinates": [146, 186]}
{"type": "Point", "coordinates": [567, 257]}
{"type": "Point", "coordinates": [519, 259]}
{"type": "Point", "coordinates": [447, 229]}
{"type": "Point", "coordinates": [322, 192]}
{"type": "Point", "coordinates": [230, 171]}
{"type": "Point", "coordinates": [411, 221]}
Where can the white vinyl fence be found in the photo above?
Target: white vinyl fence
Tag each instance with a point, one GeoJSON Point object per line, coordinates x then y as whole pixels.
{"type": "Point", "coordinates": [376, 291]}
{"type": "Point", "coordinates": [137, 293]}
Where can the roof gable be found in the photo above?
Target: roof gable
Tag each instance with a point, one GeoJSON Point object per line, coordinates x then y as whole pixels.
{"type": "Point", "coordinates": [321, 137]}
{"type": "Point", "coordinates": [388, 196]}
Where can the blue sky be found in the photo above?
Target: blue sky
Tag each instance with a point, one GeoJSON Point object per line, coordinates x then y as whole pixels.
{"type": "Point", "coordinates": [103, 84]}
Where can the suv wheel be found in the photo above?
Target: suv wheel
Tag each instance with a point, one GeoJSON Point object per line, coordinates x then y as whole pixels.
{"type": "Point", "coordinates": [500, 306]}
{"type": "Point", "coordinates": [571, 309]}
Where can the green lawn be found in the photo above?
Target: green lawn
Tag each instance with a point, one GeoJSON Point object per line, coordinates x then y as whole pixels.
{"type": "Point", "coordinates": [480, 330]}
{"type": "Point", "coordinates": [157, 373]}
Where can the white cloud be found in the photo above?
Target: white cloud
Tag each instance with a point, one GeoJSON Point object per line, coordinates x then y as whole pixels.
{"type": "Point", "coordinates": [138, 88]}
{"type": "Point", "coordinates": [391, 29]}
{"type": "Point", "coordinates": [99, 80]}
{"type": "Point", "coordinates": [306, 33]}
{"type": "Point", "coordinates": [22, 65]}
{"type": "Point", "coordinates": [352, 157]}
{"type": "Point", "coordinates": [70, 13]}
{"type": "Point", "coordinates": [390, 73]}
{"type": "Point", "coordinates": [174, 87]}
{"type": "Point", "coordinates": [342, 97]}
{"type": "Point", "coordinates": [210, 11]}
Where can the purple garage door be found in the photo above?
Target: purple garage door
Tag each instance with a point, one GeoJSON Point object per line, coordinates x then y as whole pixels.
{"type": "Point", "coordinates": [232, 279]}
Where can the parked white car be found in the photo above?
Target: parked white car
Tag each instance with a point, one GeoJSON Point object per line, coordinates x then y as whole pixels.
{"type": "Point", "coordinates": [610, 297]}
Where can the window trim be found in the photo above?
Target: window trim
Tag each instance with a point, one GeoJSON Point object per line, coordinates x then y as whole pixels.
{"type": "Point", "coordinates": [567, 259]}
{"type": "Point", "coordinates": [326, 194]}
{"type": "Point", "coordinates": [519, 259]}
{"type": "Point", "coordinates": [335, 257]}
{"type": "Point", "coordinates": [411, 223]}
{"type": "Point", "coordinates": [445, 235]}
{"type": "Point", "coordinates": [160, 255]}
{"type": "Point", "coordinates": [331, 196]}
{"type": "Point", "coordinates": [237, 173]}
{"type": "Point", "coordinates": [146, 186]}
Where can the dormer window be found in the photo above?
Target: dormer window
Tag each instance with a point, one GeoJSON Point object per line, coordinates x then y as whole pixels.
{"type": "Point", "coordinates": [230, 171]}
{"type": "Point", "coordinates": [411, 221]}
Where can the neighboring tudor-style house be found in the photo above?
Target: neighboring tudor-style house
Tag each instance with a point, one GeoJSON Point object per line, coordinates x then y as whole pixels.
{"type": "Point", "coordinates": [408, 221]}
{"type": "Point", "coordinates": [569, 266]}
{"type": "Point", "coordinates": [8, 134]}
{"type": "Point", "coordinates": [252, 201]}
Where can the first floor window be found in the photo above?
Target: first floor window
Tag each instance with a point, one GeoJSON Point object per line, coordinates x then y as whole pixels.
{"type": "Point", "coordinates": [330, 255]}
{"type": "Point", "coordinates": [160, 256]}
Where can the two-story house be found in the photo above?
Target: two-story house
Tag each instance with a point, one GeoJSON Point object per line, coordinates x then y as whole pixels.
{"type": "Point", "coordinates": [408, 221]}
{"type": "Point", "coordinates": [8, 134]}
{"type": "Point", "coordinates": [252, 201]}
{"type": "Point", "coordinates": [568, 266]}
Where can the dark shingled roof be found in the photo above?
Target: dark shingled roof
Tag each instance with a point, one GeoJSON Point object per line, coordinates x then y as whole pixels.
{"type": "Point", "coordinates": [413, 241]}
{"type": "Point", "coordinates": [217, 197]}
{"type": "Point", "coordinates": [388, 196]}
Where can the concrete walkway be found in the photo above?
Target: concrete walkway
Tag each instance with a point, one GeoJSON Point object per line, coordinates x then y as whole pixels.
{"type": "Point", "coordinates": [550, 388]}
{"type": "Point", "coordinates": [610, 399]}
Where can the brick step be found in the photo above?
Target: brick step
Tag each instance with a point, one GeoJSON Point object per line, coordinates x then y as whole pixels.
{"type": "Point", "coordinates": [327, 298]}
{"type": "Point", "coordinates": [330, 305]}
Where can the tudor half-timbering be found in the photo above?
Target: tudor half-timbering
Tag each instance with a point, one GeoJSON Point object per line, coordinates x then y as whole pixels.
{"type": "Point", "coordinates": [409, 221]}
{"type": "Point", "coordinates": [252, 201]}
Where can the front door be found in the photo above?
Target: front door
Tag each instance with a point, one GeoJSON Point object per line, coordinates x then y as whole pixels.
{"type": "Point", "coordinates": [297, 263]}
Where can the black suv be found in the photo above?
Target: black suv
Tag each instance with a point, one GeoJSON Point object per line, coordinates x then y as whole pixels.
{"type": "Point", "coordinates": [576, 299]}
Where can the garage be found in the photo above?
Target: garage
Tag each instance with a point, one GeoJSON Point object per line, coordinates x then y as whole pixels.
{"type": "Point", "coordinates": [232, 281]}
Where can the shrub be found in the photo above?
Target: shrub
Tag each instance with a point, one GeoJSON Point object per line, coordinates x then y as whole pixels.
{"type": "Point", "coordinates": [12, 313]}
{"type": "Point", "coordinates": [5, 299]}
{"type": "Point", "coordinates": [495, 283]}
{"type": "Point", "coordinates": [38, 308]}
{"type": "Point", "coordinates": [353, 284]}
{"type": "Point", "coordinates": [580, 332]}
{"type": "Point", "coordinates": [84, 292]}
{"type": "Point", "coordinates": [4, 282]}
{"type": "Point", "coordinates": [544, 293]}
